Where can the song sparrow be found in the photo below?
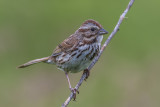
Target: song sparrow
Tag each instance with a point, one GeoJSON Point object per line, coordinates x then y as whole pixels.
{"type": "Point", "coordinates": [76, 52]}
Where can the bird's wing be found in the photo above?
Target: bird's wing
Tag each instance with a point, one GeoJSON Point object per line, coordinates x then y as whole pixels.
{"type": "Point", "coordinates": [66, 46]}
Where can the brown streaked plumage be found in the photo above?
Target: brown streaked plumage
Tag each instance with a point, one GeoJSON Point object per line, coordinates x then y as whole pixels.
{"type": "Point", "coordinates": [76, 52]}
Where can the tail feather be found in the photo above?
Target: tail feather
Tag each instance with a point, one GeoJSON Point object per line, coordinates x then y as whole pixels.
{"type": "Point", "coordinates": [33, 62]}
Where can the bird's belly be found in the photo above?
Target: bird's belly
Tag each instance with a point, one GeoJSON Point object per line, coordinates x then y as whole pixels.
{"type": "Point", "coordinates": [78, 65]}
{"type": "Point", "coordinates": [77, 62]}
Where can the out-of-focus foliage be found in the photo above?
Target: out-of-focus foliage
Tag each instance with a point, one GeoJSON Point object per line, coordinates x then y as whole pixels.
{"type": "Point", "coordinates": [127, 74]}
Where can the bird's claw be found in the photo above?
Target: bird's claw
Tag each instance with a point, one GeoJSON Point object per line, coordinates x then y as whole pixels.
{"type": "Point", "coordinates": [87, 72]}
{"type": "Point", "coordinates": [74, 91]}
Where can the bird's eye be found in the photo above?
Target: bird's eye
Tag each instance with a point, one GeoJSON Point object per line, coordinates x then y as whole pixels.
{"type": "Point", "coordinates": [93, 29]}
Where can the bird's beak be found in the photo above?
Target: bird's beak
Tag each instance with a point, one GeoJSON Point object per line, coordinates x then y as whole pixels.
{"type": "Point", "coordinates": [102, 31]}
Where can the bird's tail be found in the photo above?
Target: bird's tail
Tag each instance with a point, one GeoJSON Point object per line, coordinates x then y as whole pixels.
{"type": "Point", "coordinates": [33, 62]}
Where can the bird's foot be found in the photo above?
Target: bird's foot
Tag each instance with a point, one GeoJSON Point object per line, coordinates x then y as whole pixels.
{"type": "Point", "coordinates": [87, 72]}
{"type": "Point", "coordinates": [74, 91]}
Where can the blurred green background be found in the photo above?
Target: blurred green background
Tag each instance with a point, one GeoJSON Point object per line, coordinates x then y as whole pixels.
{"type": "Point", "coordinates": [127, 74]}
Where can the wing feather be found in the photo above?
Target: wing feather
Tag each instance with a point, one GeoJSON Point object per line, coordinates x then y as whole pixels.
{"type": "Point", "coordinates": [66, 46]}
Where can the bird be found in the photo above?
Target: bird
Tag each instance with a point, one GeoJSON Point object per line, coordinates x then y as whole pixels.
{"type": "Point", "coordinates": [77, 51]}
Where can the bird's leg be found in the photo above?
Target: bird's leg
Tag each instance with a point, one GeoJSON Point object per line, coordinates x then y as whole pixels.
{"type": "Point", "coordinates": [87, 72]}
{"type": "Point", "coordinates": [73, 90]}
